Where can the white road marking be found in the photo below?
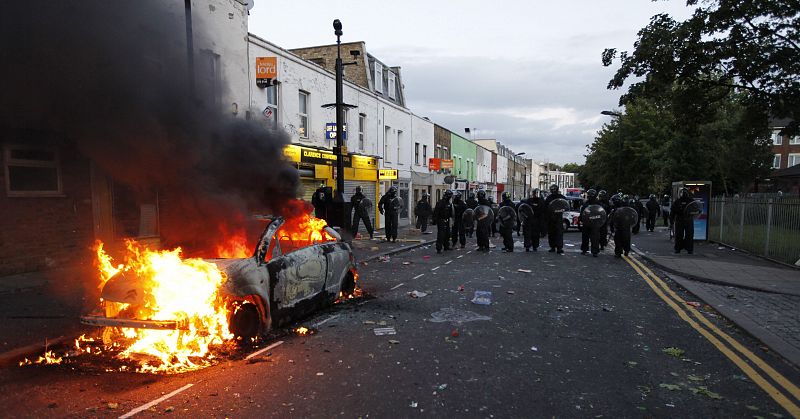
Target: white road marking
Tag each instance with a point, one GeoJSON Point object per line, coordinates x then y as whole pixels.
{"type": "Point", "coordinates": [433, 269]}
{"type": "Point", "coordinates": [448, 262]}
{"type": "Point", "coordinates": [154, 402]}
{"type": "Point", "coordinates": [325, 321]}
{"type": "Point", "coordinates": [261, 351]}
{"type": "Point", "coordinates": [397, 286]}
{"type": "Point", "coordinates": [417, 276]}
{"type": "Point", "coordinates": [459, 257]}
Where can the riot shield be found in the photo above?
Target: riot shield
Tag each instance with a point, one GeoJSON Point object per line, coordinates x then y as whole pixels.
{"type": "Point", "coordinates": [524, 213]}
{"type": "Point", "coordinates": [557, 207]}
{"type": "Point", "coordinates": [693, 209]}
{"type": "Point", "coordinates": [484, 215]}
{"type": "Point", "coordinates": [625, 217]}
{"type": "Point", "coordinates": [365, 204]}
{"type": "Point", "coordinates": [593, 216]}
{"type": "Point", "coordinates": [468, 218]}
{"type": "Point", "coordinates": [396, 203]}
{"type": "Point", "coordinates": [507, 216]}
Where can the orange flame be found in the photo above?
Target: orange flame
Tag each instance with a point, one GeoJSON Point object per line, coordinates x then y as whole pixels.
{"type": "Point", "coordinates": [178, 289]}
{"type": "Point", "coordinates": [48, 358]}
{"type": "Point", "coordinates": [235, 246]}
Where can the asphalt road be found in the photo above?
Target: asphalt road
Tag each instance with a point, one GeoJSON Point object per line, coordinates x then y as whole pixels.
{"type": "Point", "coordinates": [575, 337]}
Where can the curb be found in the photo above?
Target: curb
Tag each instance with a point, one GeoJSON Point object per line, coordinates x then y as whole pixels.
{"type": "Point", "coordinates": [790, 353]}
{"type": "Point", "coordinates": [12, 357]}
{"type": "Point", "coordinates": [395, 251]}
{"type": "Point", "coordinates": [703, 279]}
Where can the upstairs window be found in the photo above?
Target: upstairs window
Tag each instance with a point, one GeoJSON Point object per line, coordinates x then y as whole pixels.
{"type": "Point", "coordinates": [378, 77]}
{"type": "Point", "coordinates": [776, 161]}
{"type": "Point", "coordinates": [362, 123]}
{"type": "Point", "coordinates": [416, 154]}
{"type": "Point", "coordinates": [271, 110]}
{"type": "Point", "coordinates": [777, 138]}
{"type": "Point", "coordinates": [32, 171]}
{"type": "Point", "coordinates": [391, 85]}
{"type": "Point", "coordinates": [424, 155]}
{"type": "Point", "coordinates": [302, 129]}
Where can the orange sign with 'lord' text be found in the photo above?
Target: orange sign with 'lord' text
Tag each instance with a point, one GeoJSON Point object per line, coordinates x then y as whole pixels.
{"type": "Point", "coordinates": [266, 67]}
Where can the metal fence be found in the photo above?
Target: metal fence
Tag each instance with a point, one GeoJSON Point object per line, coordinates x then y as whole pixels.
{"type": "Point", "coordinates": [768, 227]}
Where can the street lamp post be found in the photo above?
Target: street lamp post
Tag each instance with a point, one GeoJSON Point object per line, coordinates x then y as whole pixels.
{"type": "Point", "coordinates": [619, 155]}
{"type": "Point", "coordinates": [514, 174]}
{"type": "Point", "coordinates": [339, 197]}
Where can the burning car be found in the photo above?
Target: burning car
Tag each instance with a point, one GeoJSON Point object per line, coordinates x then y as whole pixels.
{"type": "Point", "coordinates": [174, 308]}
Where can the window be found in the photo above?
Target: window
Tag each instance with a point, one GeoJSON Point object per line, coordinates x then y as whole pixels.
{"type": "Point", "coordinates": [794, 140]}
{"type": "Point", "coordinates": [32, 171]}
{"type": "Point", "coordinates": [416, 154]}
{"type": "Point", "coordinates": [776, 161]}
{"type": "Point", "coordinates": [302, 129]}
{"type": "Point", "coordinates": [445, 155]}
{"type": "Point", "coordinates": [378, 78]}
{"type": "Point", "coordinates": [386, 130]}
{"type": "Point", "coordinates": [271, 111]}
{"type": "Point", "coordinates": [438, 152]}
{"type": "Point", "coordinates": [362, 122]}
{"type": "Point", "coordinates": [391, 85]}
{"type": "Point", "coordinates": [794, 159]}
{"type": "Point", "coordinates": [399, 144]}
{"type": "Point", "coordinates": [777, 138]}
{"type": "Point", "coordinates": [424, 155]}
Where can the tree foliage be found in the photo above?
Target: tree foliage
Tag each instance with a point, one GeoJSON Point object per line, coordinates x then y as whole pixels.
{"type": "Point", "coordinates": [751, 47]}
{"type": "Point", "coordinates": [658, 141]}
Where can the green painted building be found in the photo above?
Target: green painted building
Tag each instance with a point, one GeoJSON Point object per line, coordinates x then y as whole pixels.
{"type": "Point", "coordinates": [464, 154]}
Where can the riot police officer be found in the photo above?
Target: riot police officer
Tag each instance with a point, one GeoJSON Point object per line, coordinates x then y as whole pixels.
{"type": "Point", "coordinates": [590, 235]}
{"type": "Point", "coordinates": [640, 212]}
{"type": "Point", "coordinates": [483, 229]}
{"type": "Point", "coordinates": [441, 217]}
{"type": "Point", "coordinates": [555, 223]}
{"type": "Point", "coordinates": [320, 202]}
{"type": "Point", "coordinates": [472, 203]}
{"type": "Point", "coordinates": [459, 234]}
{"type": "Point", "coordinates": [684, 224]}
{"type": "Point", "coordinates": [423, 211]}
{"type": "Point", "coordinates": [620, 226]}
{"type": "Point", "coordinates": [387, 205]}
{"type": "Point", "coordinates": [602, 197]}
{"type": "Point", "coordinates": [653, 211]}
{"type": "Point", "coordinates": [360, 211]}
{"type": "Point", "coordinates": [507, 224]}
{"type": "Point", "coordinates": [533, 225]}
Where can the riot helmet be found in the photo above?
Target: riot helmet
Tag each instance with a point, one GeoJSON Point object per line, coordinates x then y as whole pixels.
{"type": "Point", "coordinates": [652, 196]}
{"type": "Point", "coordinates": [506, 195]}
{"type": "Point", "coordinates": [456, 195]}
{"type": "Point", "coordinates": [358, 189]}
{"type": "Point", "coordinates": [591, 193]}
{"type": "Point", "coordinates": [393, 191]}
{"type": "Point", "coordinates": [481, 194]}
{"type": "Point", "coordinates": [448, 194]}
{"type": "Point", "coordinates": [535, 193]}
{"type": "Point", "coordinates": [602, 194]}
{"type": "Point", "coordinates": [553, 188]}
{"type": "Point", "coordinates": [471, 195]}
{"type": "Point", "coordinates": [683, 193]}
{"type": "Point", "coordinates": [616, 200]}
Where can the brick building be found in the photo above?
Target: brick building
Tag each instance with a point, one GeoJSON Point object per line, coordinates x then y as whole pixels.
{"type": "Point", "coordinates": [785, 148]}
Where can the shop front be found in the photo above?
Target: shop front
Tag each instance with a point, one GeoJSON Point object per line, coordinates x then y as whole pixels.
{"type": "Point", "coordinates": [317, 167]}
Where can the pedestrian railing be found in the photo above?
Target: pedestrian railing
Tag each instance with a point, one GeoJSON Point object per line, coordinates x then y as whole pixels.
{"type": "Point", "coordinates": [768, 227]}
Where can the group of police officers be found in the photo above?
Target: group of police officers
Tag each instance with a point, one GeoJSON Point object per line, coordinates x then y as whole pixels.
{"type": "Point", "coordinates": [457, 219]}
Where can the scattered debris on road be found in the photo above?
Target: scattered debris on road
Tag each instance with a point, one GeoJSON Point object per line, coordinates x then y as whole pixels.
{"type": "Point", "coordinates": [672, 351]}
{"type": "Point", "coordinates": [483, 298]}
{"type": "Point", "coordinates": [381, 331]}
{"type": "Point", "coordinates": [527, 271]}
{"type": "Point", "coordinates": [417, 294]}
{"type": "Point", "coordinates": [453, 315]}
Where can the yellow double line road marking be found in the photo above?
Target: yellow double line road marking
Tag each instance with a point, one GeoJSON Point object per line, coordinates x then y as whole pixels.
{"type": "Point", "coordinates": [711, 332]}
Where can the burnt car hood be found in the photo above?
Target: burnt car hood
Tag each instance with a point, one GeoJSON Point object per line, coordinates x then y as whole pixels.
{"type": "Point", "coordinates": [127, 287]}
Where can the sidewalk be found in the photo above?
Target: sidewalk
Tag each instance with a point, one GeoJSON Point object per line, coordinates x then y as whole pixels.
{"type": "Point", "coordinates": [408, 238]}
{"type": "Point", "coordinates": [760, 296]}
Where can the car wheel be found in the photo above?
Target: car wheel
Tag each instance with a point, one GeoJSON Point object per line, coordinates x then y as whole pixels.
{"type": "Point", "coordinates": [245, 322]}
{"type": "Point", "coordinates": [348, 284]}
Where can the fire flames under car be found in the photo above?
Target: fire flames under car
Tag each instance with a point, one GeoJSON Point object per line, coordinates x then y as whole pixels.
{"type": "Point", "coordinates": [175, 309]}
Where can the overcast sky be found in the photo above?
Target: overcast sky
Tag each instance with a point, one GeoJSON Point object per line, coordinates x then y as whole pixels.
{"type": "Point", "coordinates": [527, 73]}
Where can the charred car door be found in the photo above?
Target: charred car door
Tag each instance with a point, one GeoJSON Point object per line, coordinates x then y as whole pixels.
{"type": "Point", "coordinates": [298, 276]}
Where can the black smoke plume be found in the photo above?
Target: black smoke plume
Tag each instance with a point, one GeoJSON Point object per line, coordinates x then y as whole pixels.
{"type": "Point", "coordinates": [110, 77]}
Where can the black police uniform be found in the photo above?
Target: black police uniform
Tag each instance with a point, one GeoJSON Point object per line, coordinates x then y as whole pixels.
{"type": "Point", "coordinates": [320, 201]}
{"type": "Point", "coordinates": [622, 233]}
{"type": "Point", "coordinates": [590, 235]}
{"type": "Point", "coordinates": [653, 210]}
{"type": "Point", "coordinates": [555, 225]}
{"type": "Point", "coordinates": [459, 233]}
{"type": "Point", "coordinates": [604, 229]}
{"type": "Point", "coordinates": [639, 207]}
{"type": "Point", "coordinates": [359, 214]}
{"type": "Point", "coordinates": [483, 230]}
{"type": "Point", "coordinates": [423, 212]}
{"type": "Point", "coordinates": [441, 216]}
{"type": "Point", "coordinates": [533, 227]}
{"type": "Point", "coordinates": [507, 232]}
{"type": "Point", "coordinates": [392, 215]}
{"type": "Point", "coordinates": [684, 225]}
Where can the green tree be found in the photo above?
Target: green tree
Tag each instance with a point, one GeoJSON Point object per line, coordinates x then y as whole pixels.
{"type": "Point", "coordinates": [751, 47]}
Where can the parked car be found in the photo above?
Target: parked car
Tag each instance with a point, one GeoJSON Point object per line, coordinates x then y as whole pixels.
{"type": "Point", "coordinates": [572, 217]}
{"type": "Point", "coordinates": [295, 269]}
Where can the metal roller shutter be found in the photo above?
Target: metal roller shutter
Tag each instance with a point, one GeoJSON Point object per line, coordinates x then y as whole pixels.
{"type": "Point", "coordinates": [367, 188]}
{"type": "Point", "coordinates": [309, 186]}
